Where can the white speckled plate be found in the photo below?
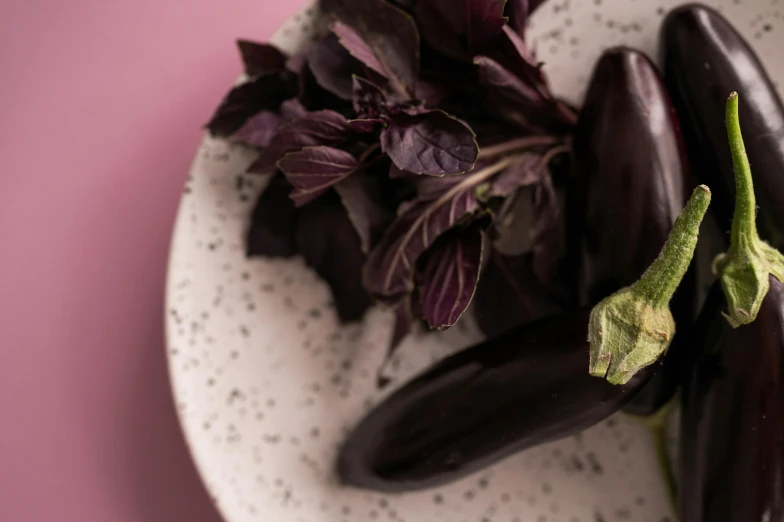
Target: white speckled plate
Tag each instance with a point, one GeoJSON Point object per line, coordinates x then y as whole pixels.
{"type": "Point", "coordinates": [267, 383]}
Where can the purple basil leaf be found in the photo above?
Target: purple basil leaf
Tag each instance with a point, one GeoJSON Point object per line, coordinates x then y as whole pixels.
{"type": "Point", "coordinates": [272, 230]}
{"type": "Point", "coordinates": [460, 28]}
{"type": "Point", "coordinates": [430, 188]}
{"type": "Point", "coordinates": [548, 241]}
{"type": "Point", "coordinates": [533, 5]}
{"type": "Point", "coordinates": [397, 173]}
{"type": "Point", "coordinates": [502, 83]}
{"type": "Point", "coordinates": [527, 171]}
{"type": "Point", "coordinates": [365, 126]}
{"type": "Point", "coordinates": [431, 92]}
{"type": "Point", "coordinates": [512, 223]}
{"type": "Point", "coordinates": [389, 32]}
{"type": "Point", "coordinates": [358, 48]}
{"type": "Point", "coordinates": [297, 62]}
{"type": "Point", "coordinates": [332, 66]}
{"type": "Point", "coordinates": [389, 272]}
{"type": "Point", "coordinates": [518, 12]}
{"type": "Point", "coordinates": [408, 5]}
{"type": "Point", "coordinates": [315, 128]}
{"type": "Point", "coordinates": [259, 129]}
{"type": "Point", "coordinates": [313, 170]}
{"type": "Point", "coordinates": [292, 109]}
{"type": "Point", "coordinates": [363, 196]}
{"type": "Point", "coordinates": [330, 245]}
{"type": "Point", "coordinates": [518, 58]}
{"type": "Point", "coordinates": [260, 58]}
{"type": "Point", "coordinates": [509, 294]}
{"type": "Point", "coordinates": [451, 272]}
{"type": "Point", "coordinates": [432, 143]}
{"type": "Point", "coordinates": [368, 99]}
{"type": "Point", "coordinates": [243, 101]}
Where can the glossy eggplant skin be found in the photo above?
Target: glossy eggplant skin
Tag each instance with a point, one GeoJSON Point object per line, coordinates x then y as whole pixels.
{"type": "Point", "coordinates": [732, 428]}
{"type": "Point", "coordinates": [705, 59]}
{"type": "Point", "coordinates": [630, 182]}
{"type": "Point", "coordinates": [527, 387]}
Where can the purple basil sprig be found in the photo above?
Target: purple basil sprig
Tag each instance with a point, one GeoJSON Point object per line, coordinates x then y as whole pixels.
{"type": "Point", "coordinates": [372, 138]}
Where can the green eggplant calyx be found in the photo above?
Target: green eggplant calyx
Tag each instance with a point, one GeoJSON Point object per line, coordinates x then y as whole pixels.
{"type": "Point", "coordinates": [632, 328]}
{"type": "Point", "coordinates": [745, 267]}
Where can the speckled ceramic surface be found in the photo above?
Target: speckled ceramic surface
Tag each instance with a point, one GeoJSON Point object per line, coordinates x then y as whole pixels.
{"type": "Point", "coordinates": [267, 383]}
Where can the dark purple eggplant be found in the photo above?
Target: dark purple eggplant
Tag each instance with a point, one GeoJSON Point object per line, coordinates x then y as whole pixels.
{"type": "Point", "coordinates": [732, 429]}
{"type": "Point", "coordinates": [704, 59]}
{"type": "Point", "coordinates": [630, 183]}
{"type": "Point", "coordinates": [474, 408]}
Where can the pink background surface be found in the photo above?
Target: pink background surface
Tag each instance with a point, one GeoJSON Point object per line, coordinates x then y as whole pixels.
{"type": "Point", "coordinates": [100, 111]}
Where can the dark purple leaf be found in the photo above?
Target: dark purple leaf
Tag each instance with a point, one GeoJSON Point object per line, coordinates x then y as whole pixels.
{"type": "Point", "coordinates": [297, 62]}
{"type": "Point", "coordinates": [358, 48]}
{"type": "Point", "coordinates": [364, 126]}
{"type": "Point", "coordinates": [330, 245]}
{"type": "Point", "coordinates": [397, 173]}
{"type": "Point", "coordinates": [313, 170]}
{"type": "Point", "coordinates": [272, 230]}
{"type": "Point", "coordinates": [332, 66]}
{"type": "Point", "coordinates": [533, 5]}
{"type": "Point", "coordinates": [292, 109]}
{"type": "Point", "coordinates": [430, 92]}
{"type": "Point", "coordinates": [448, 281]}
{"type": "Point", "coordinates": [509, 294]}
{"type": "Point", "coordinates": [390, 268]}
{"type": "Point", "coordinates": [408, 5]}
{"type": "Point", "coordinates": [511, 232]}
{"type": "Point", "coordinates": [315, 128]}
{"type": "Point", "coordinates": [363, 196]}
{"type": "Point", "coordinates": [389, 32]}
{"type": "Point", "coordinates": [369, 100]}
{"type": "Point", "coordinates": [259, 129]}
{"type": "Point", "coordinates": [548, 241]}
{"type": "Point", "coordinates": [502, 83]}
{"type": "Point", "coordinates": [430, 188]}
{"type": "Point", "coordinates": [260, 58]}
{"type": "Point", "coordinates": [514, 55]}
{"type": "Point", "coordinates": [528, 171]}
{"type": "Point", "coordinates": [243, 101]}
{"type": "Point", "coordinates": [432, 143]}
{"type": "Point", "coordinates": [460, 27]}
{"type": "Point", "coordinates": [518, 11]}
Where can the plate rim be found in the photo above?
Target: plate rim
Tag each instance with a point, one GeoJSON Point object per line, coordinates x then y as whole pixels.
{"type": "Point", "coordinates": [168, 299]}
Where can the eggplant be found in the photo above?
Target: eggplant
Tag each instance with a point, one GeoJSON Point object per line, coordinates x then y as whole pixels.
{"type": "Point", "coordinates": [527, 387]}
{"type": "Point", "coordinates": [704, 59]}
{"type": "Point", "coordinates": [630, 182]}
{"type": "Point", "coordinates": [732, 427]}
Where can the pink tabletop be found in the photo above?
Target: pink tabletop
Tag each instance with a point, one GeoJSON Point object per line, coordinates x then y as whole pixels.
{"type": "Point", "coordinates": [101, 105]}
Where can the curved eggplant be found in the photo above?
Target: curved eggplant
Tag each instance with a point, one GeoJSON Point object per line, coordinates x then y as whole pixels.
{"type": "Point", "coordinates": [480, 405]}
{"type": "Point", "coordinates": [732, 428]}
{"type": "Point", "coordinates": [704, 60]}
{"type": "Point", "coordinates": [631, 181]}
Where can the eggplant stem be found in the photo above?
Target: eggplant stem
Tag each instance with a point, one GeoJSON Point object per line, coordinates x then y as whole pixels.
{"type": "Point", "coordinates": [633, 327]}
{"type": "Point", "coordinates": [659, 282]}
{"type": "Point", "coordinates": [744, 269]}
{"type": "Point", "coordinates": [744, 220]}
{"type": "Point", "coordinates": [516, 145]}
